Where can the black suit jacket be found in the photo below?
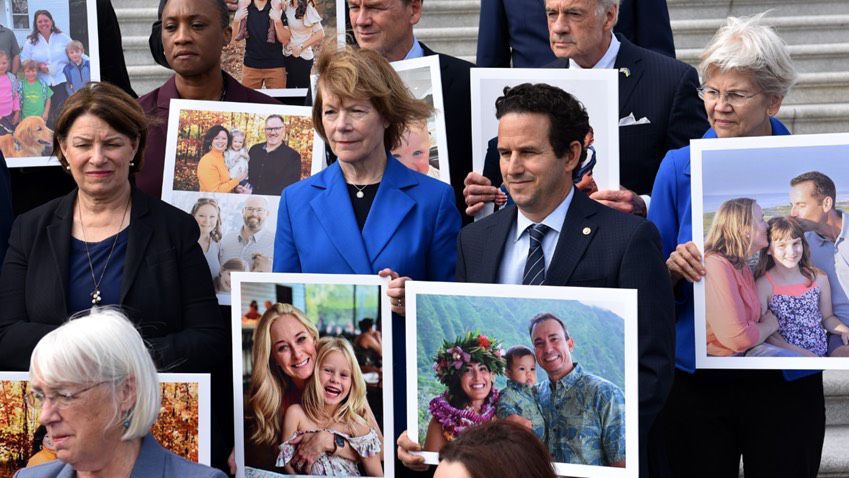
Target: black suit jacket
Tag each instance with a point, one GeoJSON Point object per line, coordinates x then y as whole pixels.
{"type": "Point", "coordinates": [456, 97]}
{"type": "Point", "coordinates": [6, 214]}
{"type": "Point", "coordinates": [664, 90]}
{"type": "Point", "coordinates": [166, 287]}
{"type": "Point", "coordinates": [621, 251]}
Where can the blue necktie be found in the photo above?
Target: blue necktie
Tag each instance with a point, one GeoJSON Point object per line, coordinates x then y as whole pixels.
{"type": "Point", "coordinates": [535, 266]}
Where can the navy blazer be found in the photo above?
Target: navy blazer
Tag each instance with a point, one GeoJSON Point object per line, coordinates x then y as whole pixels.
{"type": "Point", "coordinates": [621, 251]}
{"type": "Point", "coordinates": [153, 462]}
{"type": "Point", "coordinates": [166, 288]}
{"type": "Point", "coordinates": [663, 90]}
{"type": "Point", "coordinates": [517, 30]}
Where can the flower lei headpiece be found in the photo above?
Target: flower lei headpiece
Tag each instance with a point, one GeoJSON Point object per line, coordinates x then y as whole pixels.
{"type": "Point", "coordinates": [453, 357]}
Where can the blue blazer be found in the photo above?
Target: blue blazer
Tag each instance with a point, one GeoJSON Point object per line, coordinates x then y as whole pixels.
{"type": "Point", "coordinates": [517, 30]}
{"type": "Point", "coordinates": [411, 228]}
{"type": "Point", "coordinates": [153, 462]}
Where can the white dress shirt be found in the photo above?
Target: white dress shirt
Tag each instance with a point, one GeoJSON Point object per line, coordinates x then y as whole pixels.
{"type": "Point", "coordinates": [609, 58]}
{"type": "Point", "coordinates": [512, 266]}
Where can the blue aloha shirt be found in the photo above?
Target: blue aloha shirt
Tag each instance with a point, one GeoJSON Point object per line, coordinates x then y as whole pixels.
{"type": "Point", "coordinates": [585, 415]}
{"type": "Point", "coordinates": [521, 399]}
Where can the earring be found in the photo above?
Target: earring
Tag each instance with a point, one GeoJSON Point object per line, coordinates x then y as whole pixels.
{"type": "Point", "coordinates": [132, 163]}
{"type": "Point", "coordinates": [126, 422]}
{"type": "Point", "coordinates": [68, 167]}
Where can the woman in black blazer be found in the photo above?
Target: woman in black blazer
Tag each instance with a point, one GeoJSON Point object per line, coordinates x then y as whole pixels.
{"type": "Point", "coordinates": [107, 243]}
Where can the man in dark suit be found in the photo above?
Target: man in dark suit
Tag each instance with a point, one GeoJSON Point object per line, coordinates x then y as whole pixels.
{"type": "Point", "coordinates": [387, 27]}
{"type": "Point", "coordinates": [556, 235]}
{"type": "Point", "coordinates": [6, 214]}
{"type": "Point", "coordinates": [659, 106]}
{"type": "Point", "coordinates": [513, 33]}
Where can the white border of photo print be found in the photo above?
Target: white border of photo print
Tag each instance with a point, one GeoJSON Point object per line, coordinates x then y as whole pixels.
{"type": "Point", "coordinates": [204, 407]}
{"type": "Point", "coordinates": [621, 302]}
{"type": "Point", "coordinates": [759, 168]}
{"type": "Point", "coordinates": [597, 90]}
{"type": "Point", "coordinates": [239, 280]}
{"type": "Point", "coordinates": [230, 204]}
{"type": "Point", "coordinates": [92, 53]}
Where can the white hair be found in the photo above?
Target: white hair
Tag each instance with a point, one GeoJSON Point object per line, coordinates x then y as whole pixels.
{"type": "Point", "coordinates": [746, 44]}
{"type": "Point", "coordinates": [102, 347]}
{"type": "Point", "coordinates": [605, 5]}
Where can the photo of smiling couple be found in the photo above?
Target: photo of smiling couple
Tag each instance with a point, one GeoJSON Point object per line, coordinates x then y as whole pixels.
{"type": "Point", "coordinates": [554, 366]}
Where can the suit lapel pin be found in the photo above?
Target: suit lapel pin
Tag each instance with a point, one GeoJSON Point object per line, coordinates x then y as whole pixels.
{"type": "Point", "coordinates": [625, 71]}
{"type": "Point", "coordinates": [587, 231]}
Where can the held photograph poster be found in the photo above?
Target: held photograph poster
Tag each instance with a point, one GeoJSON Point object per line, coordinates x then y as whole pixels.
{"type": "Point", "coordinates": [286, 380]}
{"type": "Point", "coordinates": [226, 165]}
{"type": "Point", "coordinates": [424, 146]}
{"type": "Point", "coordinates": [41, 76]}
{"type": "Point", "coordinates": [768, 214]}
{"type": "Point", "coordinates": [597, 90]}
{"type": "Point", "coordinates": [462, 336]}
{"type": "Point", "coordinates": [183, 425]}
{"type": "Point", "coordinates": [256, 58]}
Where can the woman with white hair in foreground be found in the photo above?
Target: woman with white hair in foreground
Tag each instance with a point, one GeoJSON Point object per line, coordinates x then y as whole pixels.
{"type": "Point", "coordinates": [96, 386]}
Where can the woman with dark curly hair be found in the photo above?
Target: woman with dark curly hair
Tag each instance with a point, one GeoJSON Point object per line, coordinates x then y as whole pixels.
{"type": "Point", "coordinates": [466, 367]}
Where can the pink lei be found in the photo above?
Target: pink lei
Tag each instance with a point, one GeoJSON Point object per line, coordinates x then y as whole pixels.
{"type": "Point", "coordinates": [454, 420]}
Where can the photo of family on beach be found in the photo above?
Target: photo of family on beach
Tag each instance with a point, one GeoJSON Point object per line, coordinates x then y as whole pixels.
{"type": "Point", "coordinates": [45, 57]}
{"type": "Point", "coordinates": [313, 367]}
{"type": "Point", "coordinates": [768, 215]}
{"type": "Point", "coordinates": [559, 361]}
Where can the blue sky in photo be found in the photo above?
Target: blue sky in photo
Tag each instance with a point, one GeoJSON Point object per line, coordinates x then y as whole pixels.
{"type": "Point", "coordinates": [766, 173]}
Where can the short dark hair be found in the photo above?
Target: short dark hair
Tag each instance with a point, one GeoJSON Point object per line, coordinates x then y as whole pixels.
{"type": "Point", "coordinates": [211, 134]}
{"type": "Point", "coordinates": [220, 5]}
{"type": "Point", "coordinates": [112, 105]}
{"type": "Point", "coordinates": [366, 324]}
{"type": "Point", "coordinates": [499, 448]}
{"type": "Point", "coordinates": [515, 352]}
{"type": "Point", "coordinates": [542, 318]}
{"type": "Point", "coordinates": [823, 185]}
{"type": "Point", "coordinates": [567, 116]}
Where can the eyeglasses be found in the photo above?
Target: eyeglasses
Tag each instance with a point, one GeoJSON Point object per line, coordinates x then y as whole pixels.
{"type": "Point", "coordinates": [273, 129]}
{"type": "Point", "coordinates": [258, 210]}
{"type": "Point", "coordinates": [733, 98]}
{"type": "Point", "coordinates": [60, 400]}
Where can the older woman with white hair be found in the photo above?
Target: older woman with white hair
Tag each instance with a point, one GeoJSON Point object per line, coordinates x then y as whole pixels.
{"type": "Point", "coordinates": [96, 386]}
{"type": "Point", "coordinates": [775, 420]}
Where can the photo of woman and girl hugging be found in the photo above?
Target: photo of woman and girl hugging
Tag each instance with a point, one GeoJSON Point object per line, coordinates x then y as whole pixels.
{"type": "Point", "coordinates": [52, 67]}
{"type": "Point", "coordinates": [781, 306]}
{"type": "Point", "coordinates": [306, 394]}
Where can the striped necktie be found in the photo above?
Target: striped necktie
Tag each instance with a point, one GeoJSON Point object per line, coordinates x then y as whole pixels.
{"type": "Point", "coordinates": [535, 266]}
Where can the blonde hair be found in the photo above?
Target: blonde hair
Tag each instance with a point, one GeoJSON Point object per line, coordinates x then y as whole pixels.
{"type": "Point", "coordinates": [102, 346]}
{"type": "Point", "coordinates": [353, 407]}
{"type": "Point", "coordinates": [268, 382]}
{"type": "Point", "coordinates": [365, 75]}
{"type": "Point", "coordinates": [746, 44]}
{"type": "Point", "coordinates": [74, 45]}
{"type": "Point", "coordinates": [730, 233]}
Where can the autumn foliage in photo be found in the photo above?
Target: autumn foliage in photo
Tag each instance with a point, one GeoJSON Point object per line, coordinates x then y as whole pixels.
{"type": "Point", "coordinates": [176, 428]}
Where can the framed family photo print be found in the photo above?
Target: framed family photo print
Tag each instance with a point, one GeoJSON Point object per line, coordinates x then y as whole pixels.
{"type": "Point", "coordinates": [768, 214]}
{"type": "Point", "coordinates": [471, 346]}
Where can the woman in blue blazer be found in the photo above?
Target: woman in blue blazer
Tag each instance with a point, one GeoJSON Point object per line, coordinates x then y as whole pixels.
{"type": "Point", "coordinates": [367, 213]}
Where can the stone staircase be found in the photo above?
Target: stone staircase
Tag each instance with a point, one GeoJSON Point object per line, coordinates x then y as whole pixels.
{"type": "Point", "coordinates": [835, 453]}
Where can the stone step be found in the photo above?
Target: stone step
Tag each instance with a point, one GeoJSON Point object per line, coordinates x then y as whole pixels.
{"type": "Point", "coordinates": [454, 41]}
{"type": "Point", "coordinates": [813, 119]}
{"type": "Point", "coordinates": [122, 4]}
{"type": "Point", "coordinates": [450, 13]}
{"type": "Point", "coordinates": [824, 57]}
{"type": "Point", "coordinates": [136, 21]}
{"type": "Point", "coordinates": [793, 30]}
{"type": "Point", "coordinates": [690, 9]}
{"type": "Point", "coordinates": [835, 454]}
{"type": "Point", "coordinates": [836, 389]}
{"type": "Point", "coordinates": [146, 78]}
{"type": "Point", "coordinates": [820, 88]}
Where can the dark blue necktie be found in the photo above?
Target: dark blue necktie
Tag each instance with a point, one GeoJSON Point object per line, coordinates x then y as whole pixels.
{"type": "Point", "coordinates": [535, 266]}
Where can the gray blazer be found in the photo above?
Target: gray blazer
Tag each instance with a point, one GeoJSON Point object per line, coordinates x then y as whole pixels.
{"type": "Point", "coordinates": [153, 462]}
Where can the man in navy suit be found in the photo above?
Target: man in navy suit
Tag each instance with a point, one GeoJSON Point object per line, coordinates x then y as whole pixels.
{"type": "Point", "coordinates": [387, 27]}
{"type": "Point", "coordinates": [513, 32]}
{"type": "Point", "coordinates": [659, 106]}
{"type": "Point", "coordinates": [581, 243]}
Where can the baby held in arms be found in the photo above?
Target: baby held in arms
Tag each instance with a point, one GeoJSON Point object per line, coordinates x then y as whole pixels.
{"type": "Point", "coordinates": [518, 401]}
